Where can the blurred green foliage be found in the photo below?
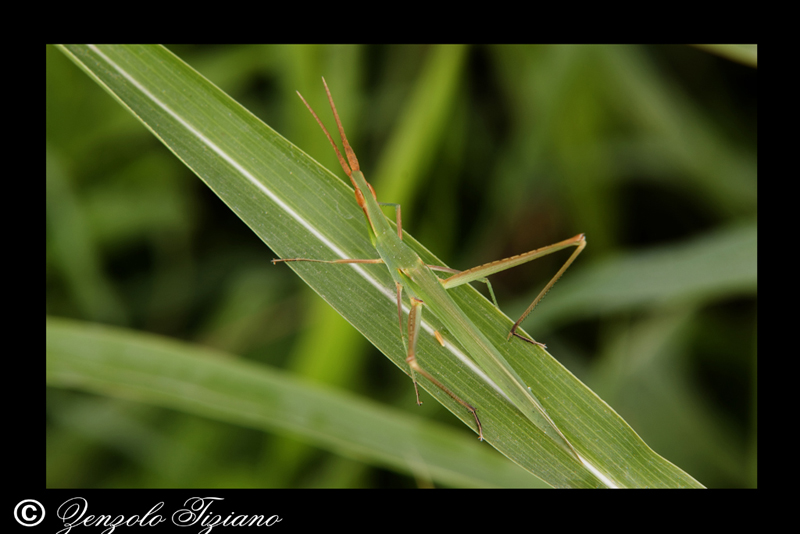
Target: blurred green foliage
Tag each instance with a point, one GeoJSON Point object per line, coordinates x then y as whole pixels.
{"type": "Point", "coordinates": [650, 151]}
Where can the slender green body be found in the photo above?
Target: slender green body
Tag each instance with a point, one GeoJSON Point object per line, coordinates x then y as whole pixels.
{"type": "Point", "coordinates": [408, 269]}
{"type": "Point", "coordinates": [424, 288]}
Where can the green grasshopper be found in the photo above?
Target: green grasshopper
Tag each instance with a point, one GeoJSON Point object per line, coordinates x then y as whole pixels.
{"type": "Point", "coordinates": [424, 288]}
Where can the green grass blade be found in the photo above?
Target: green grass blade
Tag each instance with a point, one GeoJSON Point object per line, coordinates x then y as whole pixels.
{"type": "Point", "coordinates": [302, 210]}
{"type": "Point", "coordinates": [160, 371]}
{"type": "Point", "coordinates": [700, 270]}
